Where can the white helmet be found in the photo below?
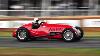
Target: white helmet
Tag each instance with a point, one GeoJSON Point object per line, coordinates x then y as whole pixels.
{"type": "Point", "coordinates": [35, 19]}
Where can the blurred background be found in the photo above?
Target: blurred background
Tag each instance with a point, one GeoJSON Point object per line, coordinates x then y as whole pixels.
{"type": "Point", "coordinates": [11, 10]}
{"type": "Point", "coordinates": [49, 7]}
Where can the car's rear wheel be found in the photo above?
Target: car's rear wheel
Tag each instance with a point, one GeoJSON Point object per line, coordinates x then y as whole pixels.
{"type": "Point", "coordinates": [69, 35]}
{"type": "Point", "coordinates": [22, 34]}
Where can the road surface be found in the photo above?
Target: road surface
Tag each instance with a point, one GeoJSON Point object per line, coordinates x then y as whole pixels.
{"type": "Point", "coordinates": [85, 43]}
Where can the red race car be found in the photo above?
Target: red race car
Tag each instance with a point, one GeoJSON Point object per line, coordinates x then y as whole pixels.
{"type": "Point", "coordinates": [36, 30]}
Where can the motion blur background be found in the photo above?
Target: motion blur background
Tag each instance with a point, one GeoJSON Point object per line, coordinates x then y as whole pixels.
{"type": "Point", "coordinates": [51, 7]}
{"type": "Point", "coordinates": [10, 9]}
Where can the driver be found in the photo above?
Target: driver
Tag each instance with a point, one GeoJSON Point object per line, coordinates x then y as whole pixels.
{"type": "Point", "coordinates": [37, 21]}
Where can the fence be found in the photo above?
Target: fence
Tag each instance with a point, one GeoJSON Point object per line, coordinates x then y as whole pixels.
{"type": "Point", "coordinates": [51, 12]}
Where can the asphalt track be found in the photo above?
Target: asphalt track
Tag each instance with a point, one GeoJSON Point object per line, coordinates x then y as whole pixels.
{"type": "Point", "coordinates": [85, 43]}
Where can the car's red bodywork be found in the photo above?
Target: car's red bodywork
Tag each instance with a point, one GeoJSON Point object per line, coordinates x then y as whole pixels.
{"type": "Point", "coordinates": [46, 30]}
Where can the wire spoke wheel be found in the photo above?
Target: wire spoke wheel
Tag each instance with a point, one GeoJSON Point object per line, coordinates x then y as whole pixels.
{"type": "Point", "coordinates": [68, 35]}
{"type": "Point", "coordinates": [22, 34]}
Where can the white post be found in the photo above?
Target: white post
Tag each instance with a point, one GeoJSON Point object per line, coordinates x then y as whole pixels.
{"type": "Point", "coordinates": [94, 4]}
{"type": "Point", "coordinates": [4, 6]}
{"type": "Point", "coordinates": [45, 5]}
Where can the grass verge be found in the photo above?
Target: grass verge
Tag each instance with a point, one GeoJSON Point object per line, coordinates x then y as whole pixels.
{"type": "Point", "coordinates": [49, 51]}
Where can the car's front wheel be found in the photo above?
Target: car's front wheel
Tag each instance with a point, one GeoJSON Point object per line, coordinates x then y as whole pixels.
{"type": "Point", "coordinates": [22, 34]}
{"type": "Point", "coordinates": [69, 35]}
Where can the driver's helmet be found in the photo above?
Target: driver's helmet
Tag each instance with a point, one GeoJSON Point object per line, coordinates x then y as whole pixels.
{"type": "Point", "coordinates": [36, 20]}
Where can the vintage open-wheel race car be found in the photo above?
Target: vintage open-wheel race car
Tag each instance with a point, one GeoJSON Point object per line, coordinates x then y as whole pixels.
{"type": "Point", "coordinates": [34, 30]}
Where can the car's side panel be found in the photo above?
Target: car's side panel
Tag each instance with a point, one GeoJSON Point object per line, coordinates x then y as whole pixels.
{"type": "Point", "coordinates": [57, 27]}
{"type": "Point", "coordinates": [28, 26]}
{"type": "Point", "coordinates": [41, 31]}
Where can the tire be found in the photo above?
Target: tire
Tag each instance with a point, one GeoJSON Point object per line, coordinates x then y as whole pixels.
{"type": "Point", "coordinates": [69, 35]}
{"type": "Point", "coordinates": [80, 34]}
{"type": "Point", "coordinates": [22, 34]}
